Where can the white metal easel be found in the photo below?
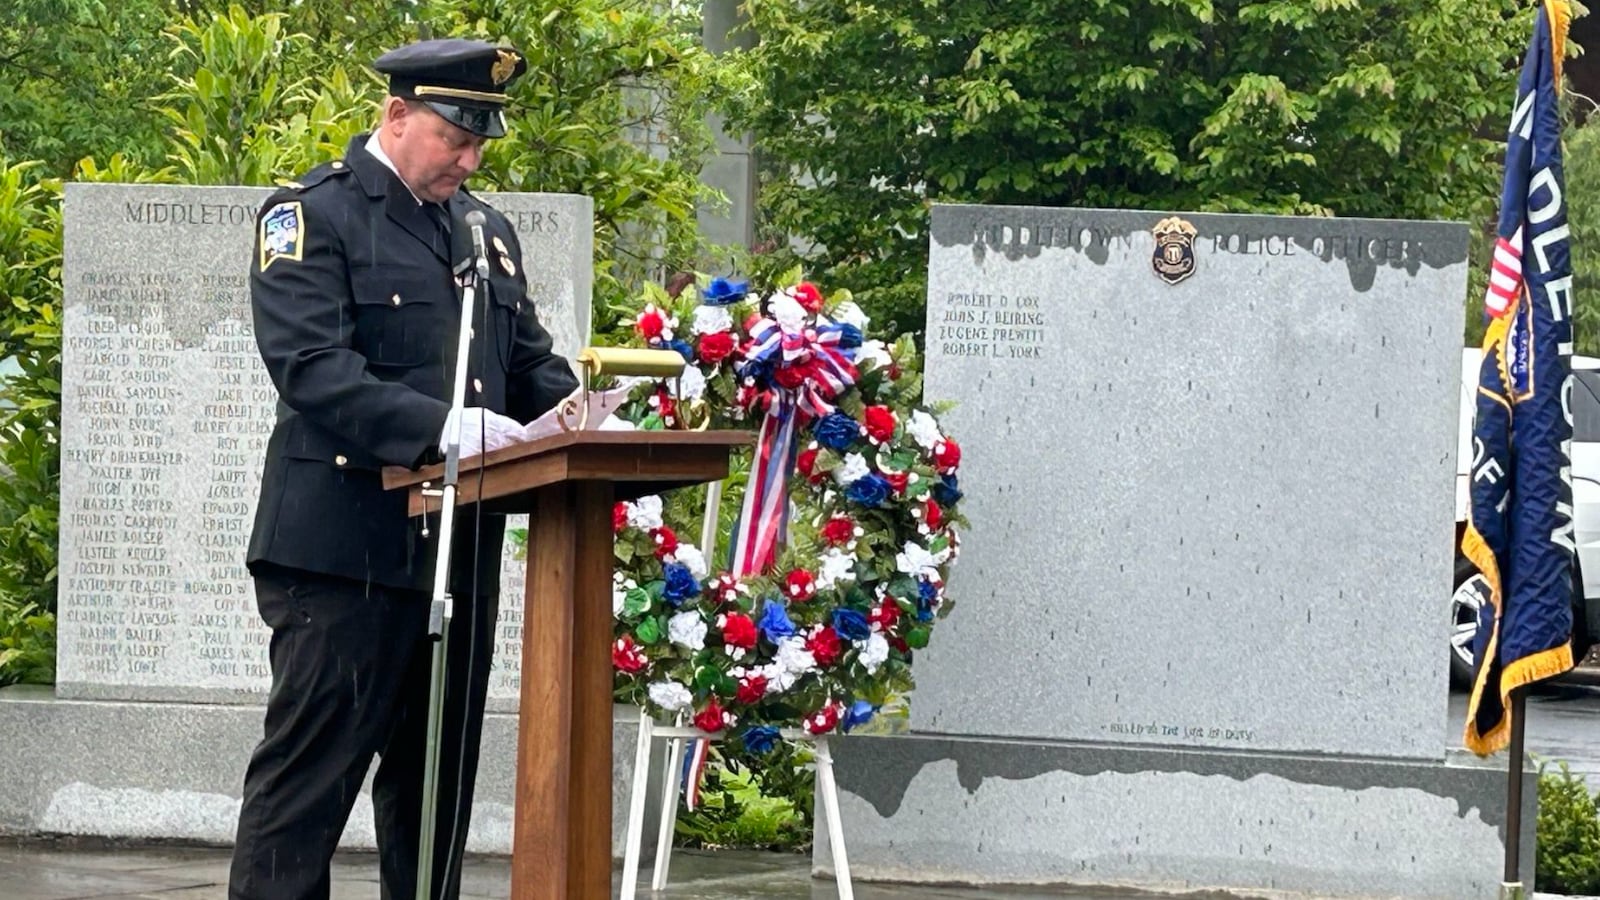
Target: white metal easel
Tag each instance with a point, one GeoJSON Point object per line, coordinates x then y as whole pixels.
{"type": "Point", "coordinates": [677, 734]}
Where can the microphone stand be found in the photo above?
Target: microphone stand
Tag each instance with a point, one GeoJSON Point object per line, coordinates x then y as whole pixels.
{"type": "Point", "coordinates": [441, 610]}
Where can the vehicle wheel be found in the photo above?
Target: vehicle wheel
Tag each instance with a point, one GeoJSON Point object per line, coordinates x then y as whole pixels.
{"type": "Point", "coordinates": [1471, 593]}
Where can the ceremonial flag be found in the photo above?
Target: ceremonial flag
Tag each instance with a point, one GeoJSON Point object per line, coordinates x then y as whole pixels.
{"type": "Point", "coordinates": [1519, 531]}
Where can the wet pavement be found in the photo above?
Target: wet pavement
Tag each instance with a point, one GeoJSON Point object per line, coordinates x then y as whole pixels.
{"type": "Point", "coordinates": [33, 869]}
{"type": "Point", "coordinates": [1563, 724]}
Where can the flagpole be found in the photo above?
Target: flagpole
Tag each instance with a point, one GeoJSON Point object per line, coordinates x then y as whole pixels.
{"type": "Point", "coordinates": [1511, 886]}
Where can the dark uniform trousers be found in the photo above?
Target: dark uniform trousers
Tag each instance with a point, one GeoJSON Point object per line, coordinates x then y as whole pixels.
{"type": "Point", "coordinates": [350, 679]}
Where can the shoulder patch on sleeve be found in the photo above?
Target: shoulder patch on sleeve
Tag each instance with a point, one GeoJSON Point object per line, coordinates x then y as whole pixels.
{"type": "Point", "coordinates": [282, 234]}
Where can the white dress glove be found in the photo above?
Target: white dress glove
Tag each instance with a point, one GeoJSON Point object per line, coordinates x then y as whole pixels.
{"type": "Point", "coordinates": [482, 430]}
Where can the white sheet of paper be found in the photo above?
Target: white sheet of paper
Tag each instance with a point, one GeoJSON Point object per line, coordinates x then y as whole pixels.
{"type": "Point", "coordinates": [601, 406]}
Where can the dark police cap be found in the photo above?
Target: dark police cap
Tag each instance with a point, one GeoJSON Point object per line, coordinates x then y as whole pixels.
{"type": "Point", "coordinates": [464, 81]}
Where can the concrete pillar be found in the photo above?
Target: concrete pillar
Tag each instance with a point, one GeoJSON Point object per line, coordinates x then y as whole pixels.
{"type": "Point", "coordinates": [731, 168]}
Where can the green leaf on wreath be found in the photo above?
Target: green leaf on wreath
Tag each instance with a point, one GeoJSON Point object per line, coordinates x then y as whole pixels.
{"type": "Point", "coordinates": [624, 551]}
{"type": "Point", "coordinates": [707, 679]}
{"type": "Point", "coordinates": [902, 460]}
{"type": "Point", "coordinates": [917, 637]}
{"type": "Point", "coordinates": [636, 602]}
{"type": "Point", "coordinates": [939, 544]}
{"type": "Point", "coordinates": [827, 461]}
{"type": "Point", "coordinates": [648, 631]}
{"type": "Point", "coordinates": [790, 277]}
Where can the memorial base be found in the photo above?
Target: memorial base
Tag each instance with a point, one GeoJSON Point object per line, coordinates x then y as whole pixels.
{"type": "Point", "coordinates": [995, 812]}
{"type": "Point", "coordinates": [173, 771]}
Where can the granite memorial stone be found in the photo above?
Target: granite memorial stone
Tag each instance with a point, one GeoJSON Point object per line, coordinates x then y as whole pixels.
{"type": "Point", "coordinates": [1209, 465]}
{"type": "Point", "coordinates": [166, 409]}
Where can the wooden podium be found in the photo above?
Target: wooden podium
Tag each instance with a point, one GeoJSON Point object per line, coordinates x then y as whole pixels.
{"type": "Point", "coordinates": [567, 484]}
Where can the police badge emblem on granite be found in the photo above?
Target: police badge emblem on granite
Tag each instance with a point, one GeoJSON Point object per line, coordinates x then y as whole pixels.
{"type": "Point", "coordinates": [1173, 258]}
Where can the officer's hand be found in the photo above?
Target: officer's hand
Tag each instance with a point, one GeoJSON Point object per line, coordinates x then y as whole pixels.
{"type": "Point", "coordinates": [482, 430]}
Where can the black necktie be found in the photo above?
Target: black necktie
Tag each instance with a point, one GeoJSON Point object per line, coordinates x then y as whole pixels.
{"type": "Point", "coordinates": [439, 215]}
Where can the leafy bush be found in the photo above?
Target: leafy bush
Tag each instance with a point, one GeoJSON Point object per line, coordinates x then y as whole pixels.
{"type": "Point", "coordinates": [30, 335]}
{"type": "Point", "coordinates": [1568, 855]}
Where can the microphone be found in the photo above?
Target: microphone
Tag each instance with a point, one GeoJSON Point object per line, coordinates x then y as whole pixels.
{"type": "Point", "coordinates": [475, 222]}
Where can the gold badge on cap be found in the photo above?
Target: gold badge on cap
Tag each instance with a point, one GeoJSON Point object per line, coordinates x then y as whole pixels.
{"type": "Point", "coordinates": [506, 264]}
{"type": "Point", "coordinates": [501, 246]}
{"type": "Point", "coordinates": [1173, 258]}
{"type": "Point", "coordinates": [504, 65]}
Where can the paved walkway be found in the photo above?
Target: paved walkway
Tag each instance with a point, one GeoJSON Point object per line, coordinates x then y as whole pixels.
{"type": "Point", "coordinates": [42, 870]}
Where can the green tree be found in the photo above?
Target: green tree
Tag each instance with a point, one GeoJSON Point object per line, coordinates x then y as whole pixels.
{"type": "Point", "coordinates": [872, 109]}
{"type": "Point", "coordinates": [76, 77]}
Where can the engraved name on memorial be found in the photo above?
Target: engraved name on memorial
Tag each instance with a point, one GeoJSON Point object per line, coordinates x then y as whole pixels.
{"type": "Point", "coordinates": [1209, 477]}
{"type": "Point", "coordinates": [166, 410]}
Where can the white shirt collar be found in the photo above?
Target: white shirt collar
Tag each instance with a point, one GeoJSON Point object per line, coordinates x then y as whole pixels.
{"type": "Point", "coordinates": [376, 149]}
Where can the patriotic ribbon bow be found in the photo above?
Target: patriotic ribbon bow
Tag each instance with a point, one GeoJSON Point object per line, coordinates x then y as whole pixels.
{"type": "Point", "coordinates": [804, 368]}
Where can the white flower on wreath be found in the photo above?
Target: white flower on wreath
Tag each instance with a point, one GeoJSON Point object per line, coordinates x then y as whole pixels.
{"type": "Point", "coordinates": [853, 467]}
{"type": "Point", "coordinates": [916, 561]}
{"type": "Point", "coordinates": [851, 314]}
{"type": "Point", "coordinates": [787, 311]}
{"type": "Point", "coordinates": [712, 319]}
{"type": "Point", "coordinates": [874, 652]}
{"type": "Point", "coordinates": [645, 513]}
{"type": "Point", "coordinates": [835, 566]}
{"type": "Point", "coordinates": [793, 657]}
{"type": "Point", "coordinates": [691, 385]}
{"type": "Point", "coordinates": [692, 559]}
{"type": "Point", "coordinates": [924, 429]}
{"type": "Point", "coordinates": [874, 352]}
{"type": "Point", "coordinates": [670, 696]}
{"type": "Point", "coordinates": [687, 629]}
{"type": "Point", "coordinates": [620, 586]}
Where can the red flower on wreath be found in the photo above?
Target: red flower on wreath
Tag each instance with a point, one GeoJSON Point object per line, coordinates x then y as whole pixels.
{"type": "Point", "coordinates": [793, 375]}
{"type": "Point", "coordinates": [651, 324]}
{"type": "Point", "coordinates": [878, 423]}
{"type": "Point", "coordinates": [619, 517]}
{"type": "Point", "coordinates": [737, 630]}
{"type": "Point", "coordinates": [806, 462]}
{"type": "Point", "coordinates": [897, 480]}
{"type": "Point", "coordinates": [799, 586]}
{"type": "Point", "coordinates": [934, 516]}
{"type": "Point", "coordinates": [715, 347]}
{"type": "Point", "coordinates": [839, 530]}
{"type": "Point", "coordinates": [713, 718]}
{"type": "Point", "coordinates": [725, 589]}
{"type": "Point", "coordinates": [886, 615]}
{"type": "Point", "coordinates": [947, 455]}
{"type": "Point", "coordinates": [824, 646]}
{"type": "Point", "coordinates": [823, 720]}
{"type": "Point", "coordinates": [751, 689]}
{"type": "Point", "coordinates": [666, 541]}
{"type": "Point", "coordinates": [809, 296]}
{"type": "Point", "coordinates": [628, 656]}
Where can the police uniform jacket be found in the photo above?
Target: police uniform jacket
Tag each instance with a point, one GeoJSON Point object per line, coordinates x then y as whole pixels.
{"type": "Point", "coordinates": [357, 313]}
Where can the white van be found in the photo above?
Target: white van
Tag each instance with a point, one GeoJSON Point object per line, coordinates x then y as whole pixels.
{"type": "Point", "coordinates": [1471, 590]}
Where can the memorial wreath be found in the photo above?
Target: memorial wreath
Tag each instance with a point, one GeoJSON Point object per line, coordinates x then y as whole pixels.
{"type": "Point", "coordinates": [839, 554]}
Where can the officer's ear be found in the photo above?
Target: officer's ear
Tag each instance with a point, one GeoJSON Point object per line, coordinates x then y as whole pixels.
{"type": "Point", "coordinates": [395, 112]}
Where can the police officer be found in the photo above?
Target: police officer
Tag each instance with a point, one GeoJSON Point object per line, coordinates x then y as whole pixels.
{"type": "Point", "coordinates": [356, 302]}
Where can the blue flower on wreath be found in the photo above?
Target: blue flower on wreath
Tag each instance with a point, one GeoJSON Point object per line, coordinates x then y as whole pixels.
{"type": "Point", "coordinates": [927, 593]}
{"type": "Point", "coordinates": [681, 584]}
{"type": "Point", "coordinates": [836, 431]}
{"type": "Point", "coordinates": [683, 348]}
{"type": "Point", "coordinates": [859, 713]}
{"type": "Point", "coordinates": [851, 625]}
{"type": "Point", "coordinates": [869, 490]}
{"type": "Point", "coordinates": [946, 491]}
{"type": "Point", "coordinates": [849, 336]}
{"type": "Point", "coordinates": [760, 738]}
{"type": "Point", "coordinates": [723, 292]}
{"type": "Point", "coordinates": [775, 624]}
